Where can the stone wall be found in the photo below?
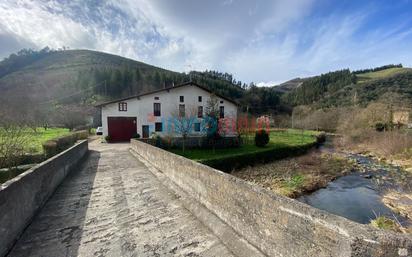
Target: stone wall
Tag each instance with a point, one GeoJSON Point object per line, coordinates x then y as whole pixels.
{"type": "Point", "coordinates": [276, 225]}
{"type": "Point", "coordinates": [24, 195]}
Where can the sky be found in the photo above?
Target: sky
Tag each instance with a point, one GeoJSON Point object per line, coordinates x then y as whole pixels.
{"type": "Point", "coordinates": [266, 41]}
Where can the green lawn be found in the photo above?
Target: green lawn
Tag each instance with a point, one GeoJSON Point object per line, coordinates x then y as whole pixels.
{"type": "Point", "coordinates": [380, 74]}
{"type": "Point", "coordinates": [38, 137]}
{"type": "Point", "coordinates": [278, 139]}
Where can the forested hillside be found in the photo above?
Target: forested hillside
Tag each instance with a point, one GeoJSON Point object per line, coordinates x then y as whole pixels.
{"type": "Point", "coordinates": [345, 88]}
{"type": "Point", "coordinates": [316, 88]}
{"type": "Point", "coordinates": [41, 83]}
{"type": "Point", "coordinates": [88, 76]}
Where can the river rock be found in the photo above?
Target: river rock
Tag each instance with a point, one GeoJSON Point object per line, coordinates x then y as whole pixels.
{"type": "Point", "coordinates": [367, 176]}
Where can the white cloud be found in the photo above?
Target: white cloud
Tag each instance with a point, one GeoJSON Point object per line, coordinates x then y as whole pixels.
{"type": "Point", "coordinates": [262, 41]}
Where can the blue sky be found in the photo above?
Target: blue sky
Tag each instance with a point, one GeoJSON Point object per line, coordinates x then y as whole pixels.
{"type": "Point", "coordinates": [262, 41]}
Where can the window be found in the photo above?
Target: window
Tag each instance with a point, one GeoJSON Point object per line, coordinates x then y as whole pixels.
{"type": "Point", "coordinates": [222, 112]}
{"type": "Point", "coordinates": [122, 107]}
{"type": "Point", "coordinates": [200, 112]}
{"type": "Point", "coordinates": [156, 109]}
{"type": "Point", "coordinates": [197, 127]}
{"type": "Point", "coordinates": [199, 98]}
{"type": "Point", "coordinates": [182, 110]}
{"type": "Point", "coordinates": [182, 98]}
{"type": "Point", "coordinates": [156, 98]}
{"type": "Point", "coordinates": [221, 102]}
{"type": "Point", "coordinates": [158, 127]}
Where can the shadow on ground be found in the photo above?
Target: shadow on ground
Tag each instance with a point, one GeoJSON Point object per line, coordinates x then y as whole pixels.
{"type": "Point", "coordinates": [57, 229]}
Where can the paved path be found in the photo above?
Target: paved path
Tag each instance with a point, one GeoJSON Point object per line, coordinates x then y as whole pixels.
{"type": "Point", "coordinates": [114, 206]}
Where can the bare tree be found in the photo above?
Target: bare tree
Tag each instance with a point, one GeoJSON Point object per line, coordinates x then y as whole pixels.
{"type": "Point", "coordinates": [183, 121]}
{"type": "Point", "coordinates": [13, 139]}
{"type": "Point", "coordinates": [212, 120]}
{"type": "Point", "coordinates": [72, 116]}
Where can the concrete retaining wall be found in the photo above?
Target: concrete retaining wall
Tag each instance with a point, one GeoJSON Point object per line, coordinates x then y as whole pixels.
{"type": "Point", "coordinates": [276, 225]}
{"type": "Point", "coordinates": [24, 195]}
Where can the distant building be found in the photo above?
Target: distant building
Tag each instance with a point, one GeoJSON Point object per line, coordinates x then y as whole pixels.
{"type": "Point", "coordinates": [156, 111]}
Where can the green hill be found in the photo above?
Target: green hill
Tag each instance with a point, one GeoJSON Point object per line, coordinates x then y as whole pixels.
{"type": "Point", "coordinates": [391, 83]}
{"type": "Point", "coordinates": [84, 76]}
{"type": "Point", "coordinates": [369, 76]}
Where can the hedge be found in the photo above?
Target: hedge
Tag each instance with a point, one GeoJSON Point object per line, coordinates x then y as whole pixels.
{"type": "Point", "coordinates": [229, 163]}
{"type": "Point", "coordinates": [57, 145]}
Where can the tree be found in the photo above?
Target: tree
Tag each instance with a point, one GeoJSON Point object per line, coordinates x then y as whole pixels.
{"type": "Point", "coordinates": [183, 121]}
{"type": "Point", "coordinates": [72, 116]}
{"type": "Point", "coordinates": [13, 139]}
{"type": "Point", "coordinates": [212, 120]}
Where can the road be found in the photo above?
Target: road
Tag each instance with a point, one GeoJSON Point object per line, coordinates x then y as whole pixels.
{"type": "Point", "coordinates": [112, 205]}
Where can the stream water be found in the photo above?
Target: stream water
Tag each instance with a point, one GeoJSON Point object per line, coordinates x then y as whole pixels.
{"type": "Point", "coordinates": [352, 196]}
{"type": "Point", "coordinates": [358, 195]}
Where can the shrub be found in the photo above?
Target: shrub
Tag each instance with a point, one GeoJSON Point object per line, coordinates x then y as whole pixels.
{"type": "Point", "coordinates": [261, 138]}
{"type": "Point", "coordinates": [321, 138]}
{"type": "Point", "coordinates": [164, 142]}
{"type": "Point", "coordinates": [380, 126]}
{"type": "Point", "coordinates": [50, 148]}
{"type": "Point", "coordinates": [230, 163]}
{"type": "Point", "coordinates": [65, 142]}
{"type": "Point", "coordinates": [82, 134]}
{"type": "Point", "coordinates": [107, 138]}
{"type": "Point", "coordinates": [12, 142]}
{"type": "Point", "coordinates": [136, 136]}
{"type": "Point", "coordinates": [57, 145]}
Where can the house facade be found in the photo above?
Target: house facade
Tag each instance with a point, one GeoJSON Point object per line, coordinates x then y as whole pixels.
{"type": "Point", "coordinates": [165, 112]}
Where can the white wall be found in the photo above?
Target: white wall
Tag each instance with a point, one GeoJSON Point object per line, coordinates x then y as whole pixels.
{"type": "Point", "coordinates": [142, 108]}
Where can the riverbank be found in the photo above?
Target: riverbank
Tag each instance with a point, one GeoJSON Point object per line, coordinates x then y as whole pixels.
{"type": "Point", "coordinates": [372, 191]}
{"type": "Point", "coordinates": [294, 177]}
{"type": "Point", "coordinates": [396, 187]}
{"type": "Point", "coordinates": [377, 152]}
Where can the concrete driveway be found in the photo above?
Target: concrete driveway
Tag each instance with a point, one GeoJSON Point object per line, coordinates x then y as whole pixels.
{"type": "Point", "coordinates": [112, 205]}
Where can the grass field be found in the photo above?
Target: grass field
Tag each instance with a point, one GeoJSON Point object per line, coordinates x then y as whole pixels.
{"type": "Point", "coordinates": [278, 139]}
{"type": "Point", "coordinates": [35, 139]}
{"type": "Point", "coordinates": [364, 77]}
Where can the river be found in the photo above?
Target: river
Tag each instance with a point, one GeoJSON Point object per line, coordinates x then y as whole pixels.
{"type": "Point", "coordinates": [358, 195]}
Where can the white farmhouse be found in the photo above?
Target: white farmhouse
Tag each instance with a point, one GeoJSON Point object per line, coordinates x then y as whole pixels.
{"type": "Point", "coordinates": [157, 111]}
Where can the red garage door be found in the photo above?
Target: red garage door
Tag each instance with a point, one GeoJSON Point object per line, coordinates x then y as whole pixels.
{"type": "Point", "coordinates": [121, 128]}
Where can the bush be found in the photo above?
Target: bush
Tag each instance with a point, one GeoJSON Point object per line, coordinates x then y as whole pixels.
{"type": "Point", "coordinates": [321, 138]}
{"type": "Point", "coordinates": [230, 163]}
{"type": "Point", "coordinates": [107, 138]}
{"type": "Point", "coordinates": [136, 136]}
{"type": "Point", "coordinates": [57, 145]}
{"type": "Point", "coordinates": [50, 148]}
{"type": "Point", "coordinates": [65, 142]}
{"type": "Point", "coordinates": [261, 138]}
{"type": "Point", "coordinates": [380, 126]}
{"type": "Point", "coordinates": [82, 134]}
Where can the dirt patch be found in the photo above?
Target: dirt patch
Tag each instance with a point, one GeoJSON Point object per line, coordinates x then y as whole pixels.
{"type": "Point", "coordinates": [399, 202]}
{"type": "Point", "coordinates": [294, 177]}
